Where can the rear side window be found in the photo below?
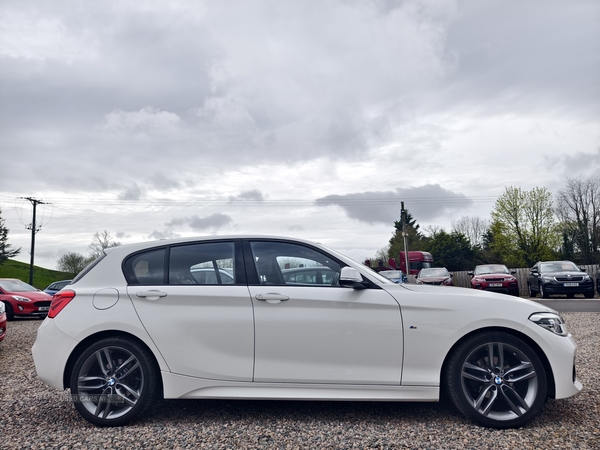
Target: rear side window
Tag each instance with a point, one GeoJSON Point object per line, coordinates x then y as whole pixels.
{"type": "Point", "coordinates": [206, 263]}
{"type": "Point", "coordinates": [146, 268]}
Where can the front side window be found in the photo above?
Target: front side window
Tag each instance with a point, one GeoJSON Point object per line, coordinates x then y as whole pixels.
{"type": "Point", "coordinates": [281, 263]}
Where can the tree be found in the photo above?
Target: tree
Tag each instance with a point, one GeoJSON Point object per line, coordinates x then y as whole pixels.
{"type": "Point", "coordinates": [578, 208]}
{"type": "Point", "coordinates": [5, 247]}
{"type": "Point", "coordinates": [100, 242]}
{"type": "Point", "coordinates": [473, 228]}
{"type": "Point", "coordinates": [452, 251]}
{"type": "Point", "coordinates": [72, 262]}
{"type": "Point", "coordinates": [414, 238]}
{"type": "Point", "coordinates": [523, 228]}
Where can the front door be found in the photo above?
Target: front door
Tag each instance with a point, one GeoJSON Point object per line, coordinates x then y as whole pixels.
{"type": "Point", "coordinates": [308, 329]}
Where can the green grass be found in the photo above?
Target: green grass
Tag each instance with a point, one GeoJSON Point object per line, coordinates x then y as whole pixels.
{"type": "Point", "coordinates": [41, 277]}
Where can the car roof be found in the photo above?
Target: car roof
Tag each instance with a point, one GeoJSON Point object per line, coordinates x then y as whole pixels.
{"type": "Point", "coordinates": [157, 243]}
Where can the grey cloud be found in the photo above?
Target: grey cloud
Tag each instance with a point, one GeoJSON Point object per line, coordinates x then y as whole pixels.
{"type": "Point", "coordinates": [524, 62]}
{"type": "Point", "coordinates": [196, 223]}
{"type": "Point", "coordinates": [251, 195]}
{"type": "Point", "coordinates": [133, 192]}
{"type": "Point", "coordinates": [148, 86]}
{"type": "Point", "coordinates": [215, 221]}
{"type": "Point", "coordinates": [167, 234]}
{"type": "Point", "coordinates": [425, 203]}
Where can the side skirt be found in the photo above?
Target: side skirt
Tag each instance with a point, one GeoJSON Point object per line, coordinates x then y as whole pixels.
{"type": "Point", "coordinates": [180, 386]}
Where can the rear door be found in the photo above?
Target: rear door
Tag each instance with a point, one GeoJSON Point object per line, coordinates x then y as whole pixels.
{"type": "Point", "coordinates": [202, 325]}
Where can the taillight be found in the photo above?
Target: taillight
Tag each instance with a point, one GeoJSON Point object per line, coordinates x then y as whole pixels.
{"type": "Point", "coordinates": [59, 301]}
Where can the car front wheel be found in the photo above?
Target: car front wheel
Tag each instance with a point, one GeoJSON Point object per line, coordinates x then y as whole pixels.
{"type": "Point", "coordinates": [10, 315]}
{"type": "Point", "coordinates": [114, 381]}
{"type": "Point", "coordinates": [543, 294]}
{"type": "Point", "coordinates": [496, 380]}
{"type": "Point", "coordinates": [531, 293]}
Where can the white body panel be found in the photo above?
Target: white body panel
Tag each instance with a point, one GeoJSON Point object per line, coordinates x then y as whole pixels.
{"type": "Point", "coordinates": [327, 335]}
{"type": "Point", "coordinates": [201, 331]}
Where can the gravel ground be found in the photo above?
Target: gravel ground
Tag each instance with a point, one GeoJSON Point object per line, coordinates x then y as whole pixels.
{"type": "Point", "coordinates": [36, 416]}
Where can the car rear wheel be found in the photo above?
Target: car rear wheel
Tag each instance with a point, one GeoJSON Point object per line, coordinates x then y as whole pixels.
{"type": "Point", "coordinates": [496, 380]}
{"type": "Point", "coordinates": [114, 381]}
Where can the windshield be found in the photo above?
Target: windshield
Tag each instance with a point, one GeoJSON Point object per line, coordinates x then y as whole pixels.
{"type": "Point", "coordinates": [558, 266]}
{"type": "Point", "coordinates": [16, 286]}
{"type": "Point", "coordinates": [391, 274]}
{"type": "Point", "coordinates": [492, 268]}
{"type": "Point", "coordinates": [428, 273]}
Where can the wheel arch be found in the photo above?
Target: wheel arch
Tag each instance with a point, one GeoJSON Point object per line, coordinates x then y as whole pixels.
{"type": "Point", "coordinates": [534, 346]}
{"type": "Point", "coordinates": [79, 349]}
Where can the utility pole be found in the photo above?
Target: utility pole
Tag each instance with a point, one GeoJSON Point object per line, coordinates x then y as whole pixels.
{"type": "Point", "coordinates": [34, 229]}
{"type": "Point", "coordinates": [404, 237]}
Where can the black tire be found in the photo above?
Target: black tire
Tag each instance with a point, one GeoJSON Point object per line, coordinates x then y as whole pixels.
{"type": "Point", "coordinates": [588, 295]}
{"type": "Point", "coordinates": [542, 293]}
{"type": "Point", "coordinates": [531, 293]}
{"type": "Point", "coordinates": [494, 396]}
{"type": "Point", "coordinates": [114, 381]}
{"type": "Point", "coordinates": [10, 314]}
{"type": "Point", "coordinates": [570, 295]}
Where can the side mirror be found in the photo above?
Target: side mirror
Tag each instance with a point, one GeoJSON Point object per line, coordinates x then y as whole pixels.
{"type": "Point", "coordinates": [582, 268]}
{"type": "Point", "coordinates": [534, 271]}
{"type": "Point", "coordinates": [513, 272]}
{"type": "Point", "coordinates": [350, 277]}
{"type": "Point", "coordinates": [470, 272]}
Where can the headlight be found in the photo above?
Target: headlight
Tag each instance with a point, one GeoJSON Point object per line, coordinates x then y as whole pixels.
{"type": "Point", "coordinates": [21, 299]}
{"type": "Point", "coordinates": [547, 278]}
{"type": "Point", "coordinates": [551, 322]}
{"type": "Point", "coordinates": [586, 277]}
{"type": "Point", "coordinates": [2, 309]}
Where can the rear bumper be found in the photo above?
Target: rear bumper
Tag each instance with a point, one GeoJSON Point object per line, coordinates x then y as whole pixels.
{"type": "Point", "coordinates": [51, 353]}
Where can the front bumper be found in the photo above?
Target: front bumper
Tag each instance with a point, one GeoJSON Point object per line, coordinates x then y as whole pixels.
{"type": "Point", "coordinates": [560, 288]}
{"type": "Point", "coordinates": [38, 308]}
{"type": "Point", "coordinates": [561, 354]}
{"type": "Point", "coordinates": [505, 289]}
{"type": "Point", "coordinates": [2, 326]}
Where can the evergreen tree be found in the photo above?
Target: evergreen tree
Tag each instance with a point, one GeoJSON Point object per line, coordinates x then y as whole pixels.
{"type": "Point", "coordinates": [5, 251]}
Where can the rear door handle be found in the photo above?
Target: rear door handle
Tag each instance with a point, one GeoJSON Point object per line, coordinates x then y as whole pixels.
{"type": "Point", "coordinates": [272, 297]}
{"type": "Point", "coordinates": [151, 294]}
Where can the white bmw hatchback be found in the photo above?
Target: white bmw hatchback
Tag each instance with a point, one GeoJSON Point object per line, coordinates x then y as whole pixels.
{"type": "Point", "coordinates": [217, 318]}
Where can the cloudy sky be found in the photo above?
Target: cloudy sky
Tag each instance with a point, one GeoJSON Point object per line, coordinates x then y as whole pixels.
{"type": "Point", "coordinates": [310, 118]}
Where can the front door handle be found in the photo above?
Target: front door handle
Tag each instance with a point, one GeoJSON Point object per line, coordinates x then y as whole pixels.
{"type": "Point", "coordinates": [272, 297]}
{"type": "Point", "coordinates": [151, 294]}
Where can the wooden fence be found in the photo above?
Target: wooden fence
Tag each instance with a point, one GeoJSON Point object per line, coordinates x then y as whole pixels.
{"type": "Point", "coordinates": [462, 279]}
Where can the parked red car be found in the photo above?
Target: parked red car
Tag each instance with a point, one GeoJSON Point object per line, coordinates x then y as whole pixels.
{"type": "Point", "coordinates": [494, 277]}
{"type": "Point", "coordinates": [21, 299]}
{"type": "Point", "coordinates": [2, 321]}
